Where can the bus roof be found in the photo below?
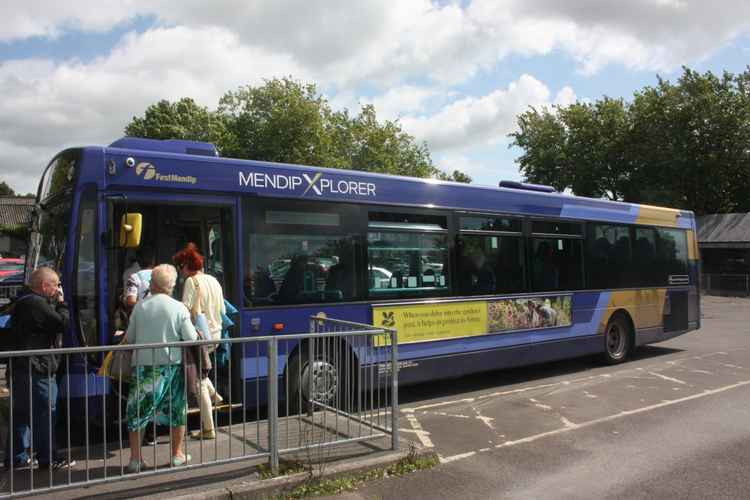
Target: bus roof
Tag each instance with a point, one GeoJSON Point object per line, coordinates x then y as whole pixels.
{"type": "Point", "coordinates": [184, 165]}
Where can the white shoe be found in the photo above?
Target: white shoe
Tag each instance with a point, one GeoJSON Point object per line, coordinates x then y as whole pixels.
{"type": "Point", "coordinates": [136, 466]}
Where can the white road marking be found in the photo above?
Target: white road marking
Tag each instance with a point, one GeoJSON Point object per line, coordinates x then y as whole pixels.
{"type": "Point", "coordinates": [452, 458]}
{"type": "Point", "coordinates": [444, 414]}
{"type": "Point", "coordinates": [572, 427]}
{"type": "Point", "coordinates": [424, 437]}
{"type": "Point", "coordinates": [567, 423]}
{"type": "Point", "coordinates": [540, 405]}
{"type": "Point", "coordinates": [705, 372]}
{"type": "Point", "coordinates": [426, 433]}
{"type": "Point", "coordinates": [486, 421]}
{"type": "Point", "coordinates": [664, 377]}
{"type": "Point", "coordinates": [552, 384]}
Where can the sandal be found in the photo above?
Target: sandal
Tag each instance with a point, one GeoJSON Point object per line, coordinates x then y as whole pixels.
{"type": "Point", "coordinates": [136, 466]}
{"type": "Point", "coordinates": [178, 461]}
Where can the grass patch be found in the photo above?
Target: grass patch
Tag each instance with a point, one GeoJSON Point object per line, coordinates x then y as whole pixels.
{"type": "Point", "coordinates": [286, 467]}
{"type": "Point", "coordinates": [319, 487]}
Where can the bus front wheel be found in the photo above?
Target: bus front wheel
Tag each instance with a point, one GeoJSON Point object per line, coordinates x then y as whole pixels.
{"type": "Point", "coordinates": [617, 339]}
{"type": "Point", "coordinates": [328, 380]}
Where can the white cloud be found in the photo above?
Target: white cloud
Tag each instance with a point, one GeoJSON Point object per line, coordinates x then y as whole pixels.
{"type": "Point", "coordinates": [388, 42]}
{"type": "Point", "coordinates": [405, 99]}
{"type": "Point", "coordinates": [409, 57]}
{"type": "Point", "coordinates": [49, 105]}
{"type": "Point", "coordinates": [471, 120]}
{"type": "Point", "coordinates": [48, 18]}
{"type": "Point", "coordinates": [565, 97]}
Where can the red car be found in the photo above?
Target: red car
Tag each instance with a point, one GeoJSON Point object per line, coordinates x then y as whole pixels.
{"type": "Point", "coordinates": [9, 267]}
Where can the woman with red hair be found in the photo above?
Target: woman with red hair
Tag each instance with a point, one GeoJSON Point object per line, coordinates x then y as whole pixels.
{"type": "Point", "coordinates": [202, 294]}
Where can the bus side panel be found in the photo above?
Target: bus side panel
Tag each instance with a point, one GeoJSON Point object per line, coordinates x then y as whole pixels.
{"type": "Point", "coordinates": [458, 365]}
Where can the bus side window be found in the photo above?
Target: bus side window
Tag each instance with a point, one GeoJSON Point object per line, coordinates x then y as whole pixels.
{"type": "Point", "coordinates": [300, 254]}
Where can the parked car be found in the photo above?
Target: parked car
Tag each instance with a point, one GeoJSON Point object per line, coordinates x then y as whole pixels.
{"type": "Point", "coordinates": [10, 266]}
{"type": "Point", "coordinates": [380, 277]}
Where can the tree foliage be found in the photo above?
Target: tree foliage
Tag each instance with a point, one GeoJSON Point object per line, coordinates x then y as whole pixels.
{"type": "Point", "coordinates": [684, 144]}
{"type": "Point", "coordinates": [6, 190]}
{"type": "Point", "coordinates": [183, 119]}
{"type": "Point", "coordinates": [290, 122]}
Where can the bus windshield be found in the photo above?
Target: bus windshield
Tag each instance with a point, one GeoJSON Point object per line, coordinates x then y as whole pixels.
{"type": "Point", "coordinates": [53, 212]}
{"type": "Point", "coordinates": [49, 233]}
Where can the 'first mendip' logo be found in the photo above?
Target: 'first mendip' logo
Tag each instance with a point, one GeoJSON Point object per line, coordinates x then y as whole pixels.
{"type": "Point", "coordinates": [314, 184]}
{"type": "Point", "coordinates": [148, 171]}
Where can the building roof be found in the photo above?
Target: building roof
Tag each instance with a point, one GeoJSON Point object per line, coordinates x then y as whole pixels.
{"type": "Point", "coordinates": [15, 210]}
{"type": "Point", "coordinates": [724, 230]}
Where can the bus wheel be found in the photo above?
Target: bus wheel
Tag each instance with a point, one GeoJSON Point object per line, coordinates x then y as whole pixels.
{"type": "Point", "coordinates": [617, 340]}
{"type": "Point", "coordinates": [327, 380]}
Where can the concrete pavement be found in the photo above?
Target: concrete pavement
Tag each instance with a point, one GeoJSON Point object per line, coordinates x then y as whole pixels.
{"type": "Point", "coordinates": [672, 423]}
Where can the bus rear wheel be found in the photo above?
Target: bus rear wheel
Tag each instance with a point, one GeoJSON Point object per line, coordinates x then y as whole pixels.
{"type": "Point", "coordinates": [617, 340]}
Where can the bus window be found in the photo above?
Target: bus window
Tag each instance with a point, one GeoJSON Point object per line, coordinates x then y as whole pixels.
{"type": "Point", "coordinates": [645, 270]}
{"type": "Point", "coordinates": [609, 256]}
{"type": "Point", "coordinates": [85, 269]}
{"type": "Point", "coordinates": [489, 264]}
{"type": "Point", "coordinates": [490, 255]}
{"type": "Point", "coordinates": [671, 248]}
{"type": "Point", "coordinates": [555, 264]}
{"type": "Point", "coordinates": [299, 256]}
{"type": "Point", "coordinates": [407, 255]}
{"type": "Point", "coordinates": [556, 249]}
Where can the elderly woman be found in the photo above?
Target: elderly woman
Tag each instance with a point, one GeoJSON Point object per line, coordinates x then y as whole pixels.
{"type": "Point", "coordinates": [158, 390]}
{"type": "Point", "coordinates": [202, 295]}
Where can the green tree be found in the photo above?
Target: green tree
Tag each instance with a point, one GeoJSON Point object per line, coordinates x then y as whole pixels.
{"type": "Point", "coordinates": [6, 190]}
{"type": "Point", "coordinates": [682, 144]}
{"type": "Point", "coordinates": [287, 121]}
{"type": "Point", "coordinates": [183, 119]}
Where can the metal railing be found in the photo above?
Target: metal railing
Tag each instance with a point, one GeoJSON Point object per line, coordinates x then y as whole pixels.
{"type": "Point", "coordinates": [8, 292]}
{"type": "Point", "coordinates": [725, 284]}
{"type": "Point", "coordinates": [298, 395]}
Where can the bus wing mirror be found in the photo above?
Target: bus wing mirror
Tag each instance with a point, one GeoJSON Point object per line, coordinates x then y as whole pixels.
{"type": "Point", "coordinates": [130, 230]}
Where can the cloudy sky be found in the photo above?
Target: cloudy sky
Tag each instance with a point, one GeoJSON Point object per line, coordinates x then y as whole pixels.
{"type": "Point", "coordinates": [455, 73]}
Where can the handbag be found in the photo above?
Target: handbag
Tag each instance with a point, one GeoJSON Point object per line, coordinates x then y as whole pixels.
{"type": "Point", "coordinates": [117, 365]}
{"type": "Point", "coordinates": [190, 357]}
{"type": "Point", "coordinates": [195, 370]}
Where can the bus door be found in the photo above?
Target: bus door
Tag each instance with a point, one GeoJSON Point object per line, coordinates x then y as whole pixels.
{"type": "Point", "coordinates": [166, 227]}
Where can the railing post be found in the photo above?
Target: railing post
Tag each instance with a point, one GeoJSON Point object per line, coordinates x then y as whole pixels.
{"type": "Point", "coordinates": [394, 390]}
{"type": "Point", "coordinates": [273, 404]}
{"type": "Point", "coordinates": [310, 375]}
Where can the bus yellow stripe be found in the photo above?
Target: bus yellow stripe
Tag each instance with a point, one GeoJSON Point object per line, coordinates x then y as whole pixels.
{"type": "Point", "coordinates": [692, 245]}
{"type": "Point", "coordinates": [646, 307]}
{"type": "Point", "coordinates": [657, 216]}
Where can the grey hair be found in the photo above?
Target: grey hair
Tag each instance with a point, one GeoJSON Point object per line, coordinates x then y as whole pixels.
{"type": "Point", "coordinates": [163, 278]}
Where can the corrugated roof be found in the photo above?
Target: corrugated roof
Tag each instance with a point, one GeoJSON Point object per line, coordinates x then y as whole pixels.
{"type": "Point", "coordinates": [723, 228]}
{"type": "Point", "coordinates": [15, 210]}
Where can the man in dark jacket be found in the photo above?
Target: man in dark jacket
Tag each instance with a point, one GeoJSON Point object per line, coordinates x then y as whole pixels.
{"type": "Point", "coordinates": [40, 317]}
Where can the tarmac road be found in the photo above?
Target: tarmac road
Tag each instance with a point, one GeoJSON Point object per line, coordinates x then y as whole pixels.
{"type": "Point", "coordinates": [674, 422]}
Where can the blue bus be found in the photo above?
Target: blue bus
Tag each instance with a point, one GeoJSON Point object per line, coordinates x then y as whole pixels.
{"type": "Point", "coordinates": [474, 278]}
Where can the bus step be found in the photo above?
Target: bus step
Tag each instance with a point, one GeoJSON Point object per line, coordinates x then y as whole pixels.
{"type": "Point", "coordinates": [220, 407]}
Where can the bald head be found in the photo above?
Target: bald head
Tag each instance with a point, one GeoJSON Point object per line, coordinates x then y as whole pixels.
{"type": "Point", "coordinates": [45, 281]}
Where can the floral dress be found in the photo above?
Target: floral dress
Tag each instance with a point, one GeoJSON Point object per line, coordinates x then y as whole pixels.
{"type": "Point", "coordinates": [157, 393]}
